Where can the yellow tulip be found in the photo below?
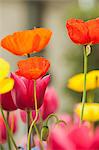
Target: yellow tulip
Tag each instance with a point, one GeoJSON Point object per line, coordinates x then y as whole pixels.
{"type": "Point", "coordinates": [91, 111]}
{"type": "Point", "coordinates": [6, 84]}
{"type": "Point", "coordinates": [76, 82]}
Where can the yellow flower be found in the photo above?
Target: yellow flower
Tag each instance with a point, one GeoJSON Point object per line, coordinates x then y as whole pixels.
{"type": "Point", "coordinates": [91, 111]}
{"type": "Point", "coordinates": [76, 82]}
{"type": "Point", "coordinates": [93, 77]}
{"type": "Point", "coordinates": [6, 84]}
{"type": "Point", "coordinates": [4, 68]}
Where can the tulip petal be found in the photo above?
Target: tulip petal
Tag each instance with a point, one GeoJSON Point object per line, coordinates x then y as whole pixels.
{"type": "Point", "coordinates": [7, 102]}
{"type": "Point", "coordinates": [41, 83]}
{"type": "Point", "coordinates": [20, 90]}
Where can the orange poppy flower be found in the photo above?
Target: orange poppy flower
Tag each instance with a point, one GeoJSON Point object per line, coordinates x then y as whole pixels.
{"type": "Point", "coordinates": [81, 32]}
{"type": "Point", "coordinates": [28, 41]}
{"type": "Point", "coordinates": [33, 68]}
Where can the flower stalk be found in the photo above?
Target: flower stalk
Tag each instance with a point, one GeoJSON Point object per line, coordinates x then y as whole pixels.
{"type": "Point", "coordinates": [50, 116]}
{"type": "Point", "coordinates": [1, 147]}
{"type": "Point", "coordinates": [30, 130]}
{"type": "Point", "coordinates": [84, 90]}
{"type": "Point", "coordinates": [8, 137]}
{"type": "Point", "coordinates": [28, 121]}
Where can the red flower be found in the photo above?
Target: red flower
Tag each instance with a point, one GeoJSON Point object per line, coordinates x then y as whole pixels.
{"type": "Point", "coordinates": [28, 41]}
{"type": "Point", "coordinates": [33, 68]}
{"type": "Point", "coordinates": [81, 32]}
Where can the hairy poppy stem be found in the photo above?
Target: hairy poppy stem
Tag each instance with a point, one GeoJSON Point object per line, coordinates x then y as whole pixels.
{"type": "Point", "coordinates": [50, 116]}
{"type": "Point", "coordinates": [8, 129]}
{"type": "Point", "coordinates": [8, 137]}
{"type": "Point", "coordinates": [30, 130]}
{"type": "Point", "coordinates": [84, 91]}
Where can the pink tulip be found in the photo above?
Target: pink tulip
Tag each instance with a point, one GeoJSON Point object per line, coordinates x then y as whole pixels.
{"type": "Point", "coordinates": [75, 138]}
{"type": "Point", "coordinates": [23, 92]}
{"type": "Point", "coordinates": [3, 131]}
{"type": "Point", "coordinates": [95, 141]}
{"type": "Point", "coordinates": [58, 139]}
{"type": "Point", "coordinates": [12, 124]}
{"type": "Point", "coordinates": [81, 137]}
{"type": "Point", "coordinates": [7, 102]}
{"type": "Point", "coordinates": [50, 103]}
{"type": "Point", "coordinates": [23, 115]}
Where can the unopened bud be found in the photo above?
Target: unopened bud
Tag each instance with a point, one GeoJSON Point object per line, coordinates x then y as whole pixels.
{"type": "Point", "coordinates": [44, 133]}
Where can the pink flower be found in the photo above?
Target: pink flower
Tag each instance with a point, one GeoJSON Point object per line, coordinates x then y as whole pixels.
{"type": "Point", "coordinates": [23, 92]}
{"type": "Point", "coordinates": [12, 124]}
{"type": "Point", "coordinates": [50, 103]}
{"type": "Point", "coordinates": [81, 137]}
{"type": "Point", "coordinates": [3, 132]}
{"type": "Point", "coordinates": [58, 139]}
{"type": "Point", "coordinates": [95, 141]}
{"type": "Point", "coordinates": [7, 102]}
{"type": "Point", "coordinates": [66, 138]}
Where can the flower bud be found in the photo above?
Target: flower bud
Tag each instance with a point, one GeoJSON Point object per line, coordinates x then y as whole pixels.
{"type": "Point", "coordinates": [44, 133]}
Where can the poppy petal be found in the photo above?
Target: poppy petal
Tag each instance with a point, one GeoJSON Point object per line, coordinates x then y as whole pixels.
{"type": "Point", "coordinates": [28, 41]}
{"type": "Point", "coordinates": [78, 31]}
{"type": "Point", "coordinates": [93, 28]}
{"type": "Point", "coordinates": [4, 68]}
{"type": "Point", "coordinates": [6, 85]}
{"type": "Point", "coordinates": [33, 68]}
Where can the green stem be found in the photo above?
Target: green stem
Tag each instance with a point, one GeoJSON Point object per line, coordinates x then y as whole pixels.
{"type": "Point", "coordinates": [8, 129]}
{"type": "Point", "coordinates": [50, 116]}
{"type": "Point", "coordinates": [28, 121]}
{"type": "Point", "coordinates": [36, 129]}
{"type": "Point", "coordinates": [30, 130]}
{"type": "Point", "coordinates": [61, 121]}
{"type": "Point", "coordinates": [84, 91]}
{"type": "Point", "coordinates": [8, 137]}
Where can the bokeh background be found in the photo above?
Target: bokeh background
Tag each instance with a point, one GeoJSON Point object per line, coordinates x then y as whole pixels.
{"type": "Point", "coordinates": [66, 57]}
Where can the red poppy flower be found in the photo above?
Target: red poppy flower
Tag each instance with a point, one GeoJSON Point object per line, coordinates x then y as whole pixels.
{"type": "Point", "coordinates": [33, 68]}
{"type": "Point", "coordinates": [28, 41]}
{"type": "Point", "coordinates": [81, 32]}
